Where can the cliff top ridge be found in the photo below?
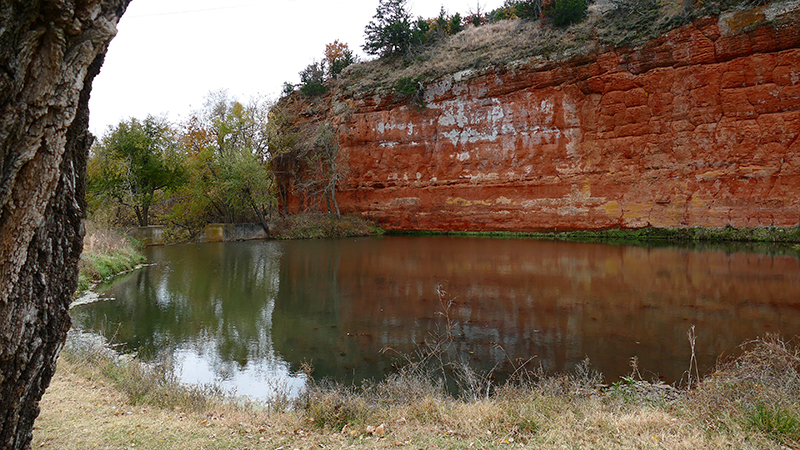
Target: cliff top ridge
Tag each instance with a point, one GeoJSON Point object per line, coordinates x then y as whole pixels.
{"type": "Point", "coordinates": [509, 43]}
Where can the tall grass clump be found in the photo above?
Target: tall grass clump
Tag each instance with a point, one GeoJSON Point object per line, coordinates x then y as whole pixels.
{"type": "Point", "coordinates": [332, 406]}
{"type": "Point", "coordinates": [758, 392]}
{"type": "Point", "coordinates": [153, 383]}
{"type": "Point", "coordinates": [105, 253]}
{"type": "Point", "coordinates": [319, 226]}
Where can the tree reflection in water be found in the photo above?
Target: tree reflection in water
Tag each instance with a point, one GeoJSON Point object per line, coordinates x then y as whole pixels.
{"type": "Point", "coordinates": [250, 313]}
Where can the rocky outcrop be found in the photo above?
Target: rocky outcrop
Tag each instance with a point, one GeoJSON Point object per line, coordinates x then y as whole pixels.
{"type": "Point", "coordinates": [699, 127]}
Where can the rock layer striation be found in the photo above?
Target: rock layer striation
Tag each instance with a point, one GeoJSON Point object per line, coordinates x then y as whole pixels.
{"type": "Point", "coordinates": [699, 127]}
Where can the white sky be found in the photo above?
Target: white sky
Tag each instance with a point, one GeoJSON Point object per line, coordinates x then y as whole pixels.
{"type": "Point", "coordinates": [168, 54]}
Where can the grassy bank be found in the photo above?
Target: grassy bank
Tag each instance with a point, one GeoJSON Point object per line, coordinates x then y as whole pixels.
{"type": "Point", "coordinates": [640, 236]}
{"type": "Point", "coordinates": [105, 254]}
{"type": "Point", "coordinates": [318, 226]}
{"type": "Point", "coordinates": [98, 400]}
{"type": "Point", "coordinates": [297, 226]}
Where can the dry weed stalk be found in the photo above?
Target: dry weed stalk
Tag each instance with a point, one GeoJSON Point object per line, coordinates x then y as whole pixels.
{"type": "Point", "coordinates": [693, 360]}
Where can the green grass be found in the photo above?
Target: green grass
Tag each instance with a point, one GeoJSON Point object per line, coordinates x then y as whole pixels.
{"type": "Point", "coordinates": [780, 424]}
{"type": "Point", "coordinates": [643, 235]}
{"type": "Point", "coordinates": [105, 254]}
{"type": "Point", "coordinates": [320, 226]}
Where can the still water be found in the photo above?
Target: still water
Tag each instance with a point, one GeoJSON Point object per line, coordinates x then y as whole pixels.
{"type": "Point", "coordinates": [247, 315]}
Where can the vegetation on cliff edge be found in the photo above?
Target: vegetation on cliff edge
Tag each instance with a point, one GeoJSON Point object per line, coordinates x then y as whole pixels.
{"type": "Point", "coordinates": [317, 226]}
{"type": "Point", "coordinates": [502, 39]}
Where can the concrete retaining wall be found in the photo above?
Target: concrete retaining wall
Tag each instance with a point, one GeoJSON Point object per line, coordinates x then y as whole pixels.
{"type": "Point", "coordinates": [215, 232]}
{"type": "Point", "coordinates": [152, 235]}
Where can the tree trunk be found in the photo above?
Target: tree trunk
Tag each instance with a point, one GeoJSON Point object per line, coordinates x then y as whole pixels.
{"type": "Point", "coordinates": [50, 51]}
{"type": "Point", "coordinates": [259, 214]}
{"type": "Point", "coordinates": [139, 218]}
{"type": "Point", "coordinates": [332, 191]}
{"type": "Point", "coordinates": [145, 219]}
{"type": "Point", "coordinates": [327, 195]}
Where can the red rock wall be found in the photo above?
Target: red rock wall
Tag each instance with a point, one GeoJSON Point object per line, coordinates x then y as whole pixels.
{"type": "Point", "coordinates": [700, 127]}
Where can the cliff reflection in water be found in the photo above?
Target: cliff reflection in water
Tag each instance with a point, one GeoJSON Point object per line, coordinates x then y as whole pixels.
{"type": "Point", "coordinates": [557, 302]}
{"type": "Point", "coordinates": [254, 311]}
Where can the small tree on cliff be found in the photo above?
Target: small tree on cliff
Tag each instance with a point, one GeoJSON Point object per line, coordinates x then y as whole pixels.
{"type": "Point", "coordinates": [337, 57]}
{"type": "Point", "coordinates": [323, 169]}
{"type": "Point", "coordinates": [389, 33]}
{"type": "Point", "coordinates": [312, 80]}
{"type": "Point", "coordinates": [566, 12]}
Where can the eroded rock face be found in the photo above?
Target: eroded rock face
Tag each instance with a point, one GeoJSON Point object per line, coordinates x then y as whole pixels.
{"type": "Point", "coordinates": [700, 127]}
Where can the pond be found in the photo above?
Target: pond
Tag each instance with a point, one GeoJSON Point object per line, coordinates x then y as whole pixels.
{"type": "Point", "coordinates": [250, 315]}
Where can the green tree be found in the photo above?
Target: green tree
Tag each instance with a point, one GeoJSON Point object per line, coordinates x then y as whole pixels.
{"type": "Point", "coordinates": [455, 24]}
{"type": "Point", "coordinates": [284, 136]}
{"type": "Point", "coordinates": [421, 31]}
{"type": "Point", "coordinates": [567, 12]}
{"type": "Point", "coordinates": [528, 9]}
{"type": "Point", "coordinates": [517, 9]}
{"type": "Point", "coordinates": [389, 33]}
{"type": "Point", "coordinates": [133, 163]}
{"type": "Point", "coordinates": [227, 153]}
{"type": "Point", "coordinates": [312, 80]}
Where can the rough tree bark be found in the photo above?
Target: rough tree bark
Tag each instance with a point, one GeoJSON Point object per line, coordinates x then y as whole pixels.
{"type": "Point", "coordinates": [50, 51]}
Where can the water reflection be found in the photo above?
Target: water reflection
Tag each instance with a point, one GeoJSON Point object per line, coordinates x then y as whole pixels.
{"type": "Point", "coordinates": [252, 313]}
{"type": "Point", "coordinates": [209, 306]}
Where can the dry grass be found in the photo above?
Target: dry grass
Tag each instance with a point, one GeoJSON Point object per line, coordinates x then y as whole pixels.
{"type": "Point", "coordinates": [101, 240]}
{"type": "Point", "coordinates": [476, 48]}
{"type": "Point", "coordinates": [749, 403]}
{"type": "Point", "coordinates": [105, 253]}
{"type": "Point", "coordinates": [83, 410]}
{"type": "Point", "coordinates": [758, 393]}
{"type": "Point", "coordinates": [509, 43]}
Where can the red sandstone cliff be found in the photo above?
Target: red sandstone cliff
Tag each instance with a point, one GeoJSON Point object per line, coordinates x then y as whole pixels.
{"type": "Point", "coordinates": [700, 127]}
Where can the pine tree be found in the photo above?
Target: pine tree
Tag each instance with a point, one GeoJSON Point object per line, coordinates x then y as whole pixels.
{"type": "Point", "coordinates": [389, 33]}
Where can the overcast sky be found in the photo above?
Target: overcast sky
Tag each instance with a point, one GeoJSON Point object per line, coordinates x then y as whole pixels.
{"type": "Point", "coordinates": [168, 54]}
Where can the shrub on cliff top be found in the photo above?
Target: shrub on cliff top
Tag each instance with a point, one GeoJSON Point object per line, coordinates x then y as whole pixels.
{"type": "Point", "coordinates": [312, 79]}
{"type": "Point", "coordinates": [337, 57]}
{"type": "Point", "coordinates": [566, 12]}
{"type": "Point", "coordinates": [516, 9]}
{"type": "Point", "coordinates": [412, 89]}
